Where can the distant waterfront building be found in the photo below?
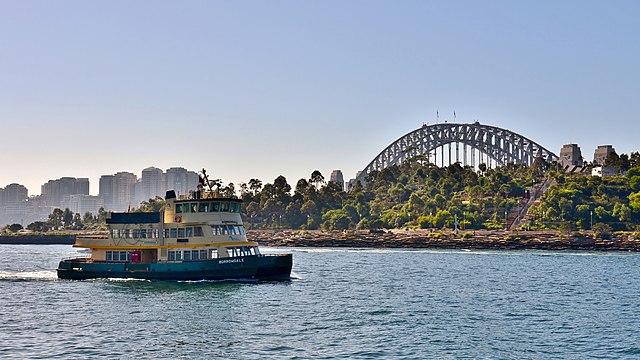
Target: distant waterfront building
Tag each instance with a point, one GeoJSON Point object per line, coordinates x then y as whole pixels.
{"type": "Point", "coordinates": [180, 180]}
{"type": "Point", "coordinates": [601, 154]}
{"type": "Point", "coordinates": [106, 190]}
{"type": "Point", "coordinates": [14, 193]}
{"type": "Point", "coordinates": [571, 156]}
{"type": "Point", "coordinates": [118, 191]}
{"type": "Point", "coordinates": [13, 209]}
{"type": "Point", "coordinates": [152, 184]}
{"type": "Point", "coordinates": [336, 177]}
{"type": "Point", "coordinates": [54, 192]}
{"type": "Point", "coordinates": [84, 203]}
{"type": "Point", "coordinates": [123, 191]}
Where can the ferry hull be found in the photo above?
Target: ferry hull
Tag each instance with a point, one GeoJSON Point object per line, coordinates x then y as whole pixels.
{"type": "Point", "coordinates": [260, 267]}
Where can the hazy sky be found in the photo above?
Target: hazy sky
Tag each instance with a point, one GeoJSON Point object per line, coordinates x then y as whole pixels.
{"type": "Point", "coordinates": [256, 89]}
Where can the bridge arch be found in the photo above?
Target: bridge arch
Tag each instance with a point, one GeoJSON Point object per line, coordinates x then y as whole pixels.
{"type": "Point", "coordinates": [498, 145]}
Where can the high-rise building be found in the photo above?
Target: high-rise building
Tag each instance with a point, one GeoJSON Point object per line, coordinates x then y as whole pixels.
{"type": "Point", "coordinates": [152, 183]}
{"type": "Point", "coordinates": [14, 193]}
{"type": "Point", "coordinates": [123, 191]}
{"type": "Point", "coordinates": [180, 180]}
{"type": "Point", "coordinates": [118, 191]}
{"type": "Point", "coordinates": [106, 190]}
{"type": "Point", "coordinates": [54, 192]}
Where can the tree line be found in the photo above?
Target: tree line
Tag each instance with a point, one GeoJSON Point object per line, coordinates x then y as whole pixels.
{"type": "Point", "coordinates": [419, 194]}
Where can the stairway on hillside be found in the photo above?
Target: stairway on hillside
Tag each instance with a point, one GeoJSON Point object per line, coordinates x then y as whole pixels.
{"type": "Point", "coordinates": [520, 214]}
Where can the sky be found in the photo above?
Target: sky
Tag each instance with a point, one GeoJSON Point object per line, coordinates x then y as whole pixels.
{"type": "Point", "coordinates": [258, 89]}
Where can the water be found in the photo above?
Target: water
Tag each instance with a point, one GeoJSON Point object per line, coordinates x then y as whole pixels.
{"type": "Point", "coordinates": [341, 304]}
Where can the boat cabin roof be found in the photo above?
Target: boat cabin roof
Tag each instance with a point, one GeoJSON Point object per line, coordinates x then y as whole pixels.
{"type": "Point", "coordinates": [134, 218]}
{"type": "Point", "coordinates": [209, 199]}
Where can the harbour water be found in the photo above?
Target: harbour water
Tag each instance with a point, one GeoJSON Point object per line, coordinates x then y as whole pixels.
{"type": "Point", "coordinates": [342, 303]}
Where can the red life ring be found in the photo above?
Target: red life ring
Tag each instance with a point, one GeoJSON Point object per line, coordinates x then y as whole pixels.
{"type": "Point", "coordinates": [178, 218]}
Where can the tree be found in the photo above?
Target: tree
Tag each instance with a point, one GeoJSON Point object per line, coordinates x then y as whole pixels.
{"type": "Point", "coordinates": [152, 205]}
{"type": "Point", "coordinates": [67, 218]}
{"type": "Point", "coordinates": [56, 219]}
{"type": "Point", "coordinates": [316, 178]}
{"type": "Point", "coordinates": [14, 227]}
{"type": "Point", "coordinates": [634, 201]}
{"type": "Point", "coordinates": [102, 216]}
{"type": "Point", "coordinates": [255, 185]}
{"type": "Point", "coordinates": [229, 191]}
{"type": "Point", "coordinates": [88, 218]}
{"type": "Point", "coordinates": [77, 221]}
{"type": "Point", "coordinates": [335, 220]}
{"type": "Point", "coordinates": [602, 231]}
{"type": "Point", "coordinates": [39, 226]}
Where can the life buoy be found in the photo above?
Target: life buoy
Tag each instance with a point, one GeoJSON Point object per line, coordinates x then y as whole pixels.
{"type": "Point", "coordinates": [178, 218]}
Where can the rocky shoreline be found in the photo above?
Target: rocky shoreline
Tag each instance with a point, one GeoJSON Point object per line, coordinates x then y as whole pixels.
{"type": "Point", "coordinates": [396, 238]}
{"type": "Point", "coordinates": [479, 239]}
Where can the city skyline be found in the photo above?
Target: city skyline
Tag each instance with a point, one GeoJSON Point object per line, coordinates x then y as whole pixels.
{"type": "Point", "coordinates": [257, 90]}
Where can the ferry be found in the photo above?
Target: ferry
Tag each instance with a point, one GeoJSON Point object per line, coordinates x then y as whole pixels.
{"type": "Point", "coordinates": [198, 237]}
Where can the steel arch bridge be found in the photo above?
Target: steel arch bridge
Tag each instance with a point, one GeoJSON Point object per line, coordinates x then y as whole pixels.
{"type": "Point", "coordinates": [498, 145]}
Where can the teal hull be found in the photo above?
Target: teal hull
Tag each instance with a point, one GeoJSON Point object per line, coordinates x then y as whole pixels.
{"type": "Point", "coordinates": [260, 267]}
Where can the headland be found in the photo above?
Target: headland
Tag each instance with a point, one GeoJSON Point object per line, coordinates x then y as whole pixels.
{"type": "Point", "coordinates": [432, 239]}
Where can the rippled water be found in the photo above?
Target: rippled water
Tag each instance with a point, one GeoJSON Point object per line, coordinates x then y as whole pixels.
{"type": "Point", "coordinates": [341, 304]}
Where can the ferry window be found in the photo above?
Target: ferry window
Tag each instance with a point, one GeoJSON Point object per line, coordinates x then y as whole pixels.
{"type": "Point", "coordinates": [109, 255]}
{"type": "Point", "coordinates": [143, 233]}
{"type": "Point", "coordinates": [178, 208]}
{"type": "Point", "coordinates": [173, 233]}
{"type": "Point", "coordinates": [166, 233]}
{"type": "Point", "coordinates": [257, 251]}
{"type": "Point", "coordinates": [203, 254]}
{"type": "Point", "coordinates": [123, 256]}
{"type": "Point", "coordinates": [241, 230]}
{"type": "Point", "coordinates": [224, 206]}
{"type": "Point", "coordinates": [156, 233]}
{"type": "Point", "coordinates": [194, 254]}
{"type": "Point", "coordinates": [238, 230]}
{"type": "Point", "coordinates": [214, 254]}
{"type": "Point", "coordinates": [194, 207]}
{"type": "Point", "coordinates": [235, 207]}
{"type": "Point", "coordinates": [215, 207]}
{"type": "Point", "coordinates": [225, 231]}
{"type": "Point", "coordinates": [186, 208]}
{"type": "Point", "coordinates": [188, 232]}
{"type": "Point", "coordinates": [172, 256]}
{"type": "Point", "coordinates": [204, 207]}
{"type": "Point", "coordinates": [178, 255]}
{"type": "Point", "coordinates": [187, 255]}
{"type": "Point", "coordinates": [181, 232]}
{"type": "Point", "coordinates": [197, 231]}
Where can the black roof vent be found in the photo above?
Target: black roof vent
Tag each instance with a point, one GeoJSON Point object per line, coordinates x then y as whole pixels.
{"type": "Point", "coordinates": [170, 195]}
